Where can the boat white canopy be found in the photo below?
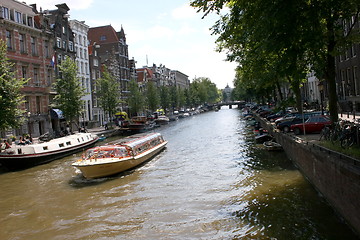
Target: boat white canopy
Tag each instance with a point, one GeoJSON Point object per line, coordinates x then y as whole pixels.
{"type": "Point", "coordinates": [143, 140]}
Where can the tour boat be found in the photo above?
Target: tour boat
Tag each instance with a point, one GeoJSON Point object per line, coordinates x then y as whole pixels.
{"type": "Point", "coordinates": [120, 156]}
{"type": "Point", "coordinates": [24, 156]}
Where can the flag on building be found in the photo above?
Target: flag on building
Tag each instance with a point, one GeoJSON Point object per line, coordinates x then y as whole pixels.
{"type": "Point", "coordinates": [52, 62]}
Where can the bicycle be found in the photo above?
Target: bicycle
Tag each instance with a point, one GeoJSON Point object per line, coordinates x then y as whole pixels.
{"type": "Point", "coordinates": [325, 133]}
{"type": "Point", "coordinates": [350, 136]}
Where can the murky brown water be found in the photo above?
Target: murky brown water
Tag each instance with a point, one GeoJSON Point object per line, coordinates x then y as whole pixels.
{"type": "Point", "coordinates": [212, 182]}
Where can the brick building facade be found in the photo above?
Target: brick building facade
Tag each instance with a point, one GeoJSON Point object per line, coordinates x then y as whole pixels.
{"type": "Point", "coordinates": [29, 44]}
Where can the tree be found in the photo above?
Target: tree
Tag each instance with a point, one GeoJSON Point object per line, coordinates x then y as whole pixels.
{"type": "Point", "coordinates": [69, 91]}
{"type": "Point", "coordinates": [164, 97]}
{"type": "Point", "coordinates": [174, 97]}
{"type": "Point", "coordinates": [10, 93]}
{"type": "Point", "coordinates": [152, 96]}
{"type": "Point", "coordinates": [334, 22]}
{"type": "Point", "coordinates": [181, 96]}
{"type": "Point", "coordinates": [136, 99]}
{"type": "Point", "coordinates": [203, 91]}
{"type": "Point", "coordinates": [295, 33]}
{"type": "Point", "coordinates": [105, 85]}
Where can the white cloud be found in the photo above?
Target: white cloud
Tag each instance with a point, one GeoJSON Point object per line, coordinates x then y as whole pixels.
{"type": "Point", "coordinates": [184, 12]}
{"type": "Point", "coordinates": [159, 32]}
{"type": "Point", "coordinates": [72, 4]}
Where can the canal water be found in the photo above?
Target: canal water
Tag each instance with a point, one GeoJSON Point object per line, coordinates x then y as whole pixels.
{"type": "Point", "coordinates": [211, 182]}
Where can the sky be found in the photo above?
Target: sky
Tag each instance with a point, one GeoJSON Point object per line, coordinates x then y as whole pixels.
{"type": "Point", "coordinates": [167, 32]}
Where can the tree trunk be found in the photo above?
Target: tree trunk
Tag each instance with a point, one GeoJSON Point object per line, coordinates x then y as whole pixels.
{"type": "Point", "coordinates": [279, 90]}
{"type": "Point", "coordinates": [330, 73]}
{"type": "Point", "coordinates": [295, 86]}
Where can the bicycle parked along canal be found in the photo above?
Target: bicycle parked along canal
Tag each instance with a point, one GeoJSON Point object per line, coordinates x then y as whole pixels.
{"type": "Point", "coordinates": [345, 133]}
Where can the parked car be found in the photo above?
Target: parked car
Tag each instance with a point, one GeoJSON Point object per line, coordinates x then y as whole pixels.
{"type": "Point", "coordinates": [285, 126]}
{"type": "Point", "coordinates": [291, 116]}
{"type": "Point", "coordinates": [313, 124]}
{"type": "Point", "coordinates": [287, 117]}
{"type": "Point", "coordinates": [279, 114]}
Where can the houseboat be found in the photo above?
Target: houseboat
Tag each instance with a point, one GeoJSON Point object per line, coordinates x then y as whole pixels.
{"type": "Point", "coordinates": [139, 124]}
{"type": "Point", "coordinates": [19, 157]}
{"type": "Point", "coordinates": [120, 156]}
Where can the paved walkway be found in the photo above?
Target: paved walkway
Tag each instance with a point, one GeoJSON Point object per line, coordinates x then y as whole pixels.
{"type": "Point", "coordinates": [350, 117]}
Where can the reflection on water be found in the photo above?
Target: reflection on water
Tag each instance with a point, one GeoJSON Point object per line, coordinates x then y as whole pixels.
{"type": "Point", "coordinates": [212, 182]}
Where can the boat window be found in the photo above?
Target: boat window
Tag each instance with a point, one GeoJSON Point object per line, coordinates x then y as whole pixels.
{"type": "Point", "coordinates": [78, 140]}
{"type": "Point", "coordinates": [82, 138]}
{"type": "Point", "coordinates": [61, 144]}
{"type": "Point", "coordinates": [19, 151]}
{"type": "Point", "coordinates": [45, 148]}
{"type": "Point", "coordinates": [68, 143]}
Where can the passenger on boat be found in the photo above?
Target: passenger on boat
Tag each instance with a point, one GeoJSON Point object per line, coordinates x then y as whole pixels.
{"type": "Point", "coordinates": [28, 140]}
{"type": "Point", "coordinates": [21, 141]}
{"type": "Point", "coordinates": [5, 145]}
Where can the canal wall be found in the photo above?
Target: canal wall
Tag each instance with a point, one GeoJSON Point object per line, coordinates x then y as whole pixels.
{"type": "Point", "coordinates": [334, 175]}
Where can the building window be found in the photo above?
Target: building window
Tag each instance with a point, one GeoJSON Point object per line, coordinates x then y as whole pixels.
{"type": "Point", "coordinates": [357, 85]}
{"type": "Point", "coordinates": [59, 59]}
{"type": "Point", "coordinates": [64, 44]}
{"type": "Point", "coordinates": [27, 103]}
{"type": "Point", "coordinates": [96, 62]}
{"type": "Point", "coordinates": [87, 86]}
{"type": "Point", "coordinates": [49, 77]}
{"type": "Point", "coordinates": [46, 49]}
{"type": "Point", "coordinates": [63, 30]}
{"type": "Point", "coordinates": [102, 38]}
{"type": "Point", "coordinates": [38, 104]}
{"type": "Point", "coordinates": [9, 40]}
{"type": "Point", "coordinates": [24, 72]}
{"type": "Point", "coordinates": [71, 46]}
{"type": "Point", "coordinates": [22, 43]}
{"type": "Point", "coordinates": [18, 17]}
{"type": "Point", "coordinates": [30, 22]}
{"type": "Point", "coordinates": [36, 77]}
{"type": "Point", "coordinates": [58, 42]}
{"type": "Point", "coordinates": [80, 42]}
{"type": "Point", "coordinates": [5, 13]}
{"type": "Point", "coordinates": [33, 46]}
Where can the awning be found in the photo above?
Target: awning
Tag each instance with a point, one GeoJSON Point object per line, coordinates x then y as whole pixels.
{"type": "Point", "coordinates": [56, 114]}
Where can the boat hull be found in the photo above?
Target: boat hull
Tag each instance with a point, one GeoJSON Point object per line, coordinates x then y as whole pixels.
{"type": "Point", "coordinates": [118, 165]}
{"type": "Point", "coordinates": [19, 162]}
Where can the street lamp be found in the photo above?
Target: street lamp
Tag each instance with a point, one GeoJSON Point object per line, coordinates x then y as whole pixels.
{"type": "Point", "coordinates": [321, 89]}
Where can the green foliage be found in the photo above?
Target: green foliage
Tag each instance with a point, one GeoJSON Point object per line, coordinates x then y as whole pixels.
{"type": "Point", "coordinates": [174, 97]}
{"type": "Point", "coordinates": [105, 85]}
{"type": "Point", "coordinates": [275, 41]}
{"type": "Point", "coordinates": [152, 96]}
{"type": "Point", "coordinates": [136, 99]}
{"type": "Point", "coordinates": [202, 91]}
{"type": "Point", "coordinates": [69, 91]}
{"type": "Point", "coordinates": [10, 93]}
{"type": "Point", "coordinates": [164, 97]}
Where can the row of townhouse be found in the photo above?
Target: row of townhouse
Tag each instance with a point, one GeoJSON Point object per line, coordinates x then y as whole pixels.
{"type": "Point", "coordinates": [347, 67]}
{"type": "Point", "coordinates": [37, 43]}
